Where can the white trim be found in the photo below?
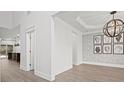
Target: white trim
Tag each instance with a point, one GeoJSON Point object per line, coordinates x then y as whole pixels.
{"type": "Point", "coordinates": [45, 76]}
{"type": "Point", "coordinates": [55, 13]}
{"type": "Point", "coordinates": [35, 48]}
{"type": "Point", "coordinates": [77, 64]}
{"type": "Point", "coordinates": [23, 68]}
{"type": "Point", "coordinates": [93, 31]}
{"type": "Point", "coordinates": [65, 69]}
{"type": "Point", "coordinates": [52, 44]}
{"type": "Point", "coordinates": [103, 64]}
{"type": "Point", "coordinates": [80, 21]}
{"type": "Point", "coordinates": [30, 29]}
{"type": "Point", "coordinates": [71, 27]}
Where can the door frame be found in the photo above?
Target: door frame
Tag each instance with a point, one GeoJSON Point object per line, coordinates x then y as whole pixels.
{"type": "Point", "coordinates": [29, 30]}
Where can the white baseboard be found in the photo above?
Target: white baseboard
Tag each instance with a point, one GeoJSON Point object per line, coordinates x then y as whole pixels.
{"type": "Point", "coordinates": [59, 72]}
{"type": "Point", "coordinates": [77, 63]}
{"type": "Point", "coordinates": [103, 64]}
{"type": "Point", "coordinates": [23, 68]}
{"type": "Point", "coordinates": [45, 76]}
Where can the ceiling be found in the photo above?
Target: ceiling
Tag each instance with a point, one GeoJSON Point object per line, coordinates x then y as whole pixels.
{"type": "Point", "coordinates": [88, 21]}
{"type": "Point", "coordinates": [7, 29]}
{"type": "Point", "coordinates": [6, 19]}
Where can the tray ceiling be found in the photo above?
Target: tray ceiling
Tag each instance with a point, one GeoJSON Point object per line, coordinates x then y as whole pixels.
{"type": "Point", "coordinates": [88, 21]}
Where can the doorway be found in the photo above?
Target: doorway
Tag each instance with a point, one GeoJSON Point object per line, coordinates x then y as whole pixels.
{"type": "Point", "coordinates": [30, 36]}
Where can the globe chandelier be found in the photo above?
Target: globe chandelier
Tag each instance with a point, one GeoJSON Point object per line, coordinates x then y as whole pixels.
{"type": "Point", "coordinates": [113, 27]}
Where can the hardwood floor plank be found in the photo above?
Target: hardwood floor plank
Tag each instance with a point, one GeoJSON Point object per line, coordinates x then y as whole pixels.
{"type": "Point", "coordinates": [10, 72]}
{"type": "Point", "coordinates": [92, 73]}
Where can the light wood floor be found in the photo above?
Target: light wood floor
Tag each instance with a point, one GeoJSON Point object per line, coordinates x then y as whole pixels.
{"type": "Point", "coordinates": [92, 73]}
{"type": "Point", "coordinates": [10, 72]}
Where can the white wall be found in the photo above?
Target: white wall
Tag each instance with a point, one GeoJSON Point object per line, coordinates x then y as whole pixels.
{"type": "Point", "coordinates": [63, 44]}
{"type": "Point", "coordinates": [77, 47]}
{"type": "Point", "coordinates": [62, 47]}
{"type": "Point", "coordinates": [42, 23]}
{"type": "Point", "coordinates": [53, 48]}
{"type": "Point", "coordinates": [74, 49]}
{"type": "Point", "coordinates": [90, 57]}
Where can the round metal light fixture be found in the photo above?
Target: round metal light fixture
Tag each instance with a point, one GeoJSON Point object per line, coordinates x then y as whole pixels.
{"type": "Point", "coordinates": [114, 27]}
